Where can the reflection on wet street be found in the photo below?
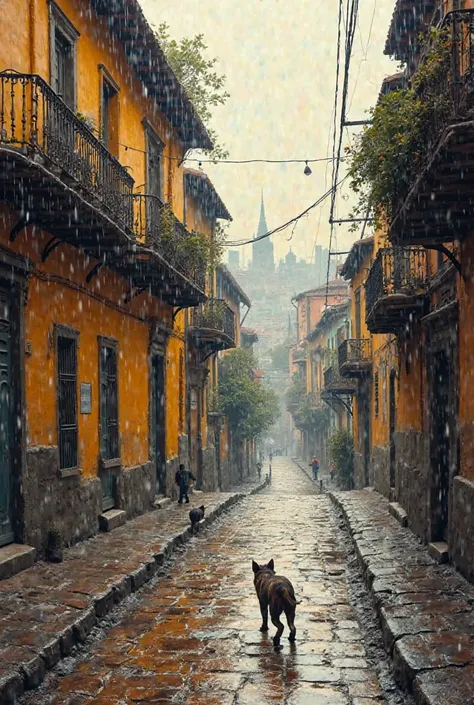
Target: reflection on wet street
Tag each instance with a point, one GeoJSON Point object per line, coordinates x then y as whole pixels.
{"type": "Point", "coordinates": [194, 637]}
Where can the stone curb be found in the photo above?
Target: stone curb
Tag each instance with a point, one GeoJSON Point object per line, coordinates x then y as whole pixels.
{"type": "Point", "coordinates": [16, 678]}
{"type": "Point", "coordinates": [415, 639]}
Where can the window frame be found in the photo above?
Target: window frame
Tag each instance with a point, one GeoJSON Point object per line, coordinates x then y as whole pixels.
{"type": "Point", "coordinates": [59, 23]}
{"type": "Point", "coordinates": [107, 80]}
{"type": "Point", "coordinates": [153, 138]}
{"type": "Point", "coordinates": [111, 343]}
{"type": "Point", "coordinates": [63, 331]}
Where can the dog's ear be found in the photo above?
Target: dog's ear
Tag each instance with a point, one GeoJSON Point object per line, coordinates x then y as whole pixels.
{"type": "Point", "coordinates": [255, 567]}
{"type": "Point", "coordinates": [202, 508]}
{"type": "Point", "coordinates": [271, 565]}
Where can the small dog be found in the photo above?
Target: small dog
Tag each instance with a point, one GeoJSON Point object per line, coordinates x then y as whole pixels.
{"type": "Point", "coordinates": [275, 592]}
{"type": "Point", "coordinates": [196, 515]}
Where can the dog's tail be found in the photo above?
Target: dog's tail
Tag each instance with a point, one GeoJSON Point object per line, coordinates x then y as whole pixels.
{"type": "Point", "coordinates": [287, 596]}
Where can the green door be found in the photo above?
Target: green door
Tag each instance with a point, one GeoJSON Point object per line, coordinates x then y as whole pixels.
{"type": "Point", "coordinates": [109, 441]}
{"type": "Point", "coordinates": [6, 530]}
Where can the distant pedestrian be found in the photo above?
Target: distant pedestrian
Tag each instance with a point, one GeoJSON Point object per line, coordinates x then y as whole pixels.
{"type": "Point", "coordinates": [183, 479]}
{"type": "Point", "coordinates": [259, 470]}
{"type": "Point", "coordinates": [314, 465]}
{"type": "Point", "coordinates": [332, 472]}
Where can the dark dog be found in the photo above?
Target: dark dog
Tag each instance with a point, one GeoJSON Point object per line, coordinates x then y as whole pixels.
{"type": "Point", "coordinates": [195, 516]}
{"type": "Point", "coordinates": [275, 592]}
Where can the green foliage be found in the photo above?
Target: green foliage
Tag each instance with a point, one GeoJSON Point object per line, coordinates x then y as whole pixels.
{"type": "Point", "coordinates": [204, 86]}
{"type": "Point", "coordinates": [340, 446]}
{"type": "Point", "coordinates": [389, 154]}
{"type": "Point", "coordinates": [250, 407]}
{"type": "Point", "coordinates": [198, 250]}
{"type": "Point", "coordinates": [280, 357]}
{"type": "Point", "coordinates": [296, 392]}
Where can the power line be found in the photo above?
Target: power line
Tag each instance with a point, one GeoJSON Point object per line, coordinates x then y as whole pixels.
{"type": "Point", "coordinates": [231, 161]}
{"type": "Point", "coordinates": [351, 26]}
{"type": "Point", "coordinates": [240, 243]}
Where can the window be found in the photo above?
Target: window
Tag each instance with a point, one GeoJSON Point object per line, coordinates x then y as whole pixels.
{"type": "Point", "coordinates": [181, 390]}
{"type": "Point", "coordinates": [109, 106]}
{"type": "Point", "coordinates": [63, 38]}
{"type": "Point", "coordinates": [66, 347]}
{"type": "Point", "coordinates": [154, 166]}
{"type": "Point", "coordinates": [109, 426]}
{"type": "Point", "coordinates": [376, 395]}
{"type": "Point", "coordinates": [357, 315]}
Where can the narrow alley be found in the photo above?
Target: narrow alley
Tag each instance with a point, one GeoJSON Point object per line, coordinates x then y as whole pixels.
{"type": "Point", "coordinates": [193, 635]}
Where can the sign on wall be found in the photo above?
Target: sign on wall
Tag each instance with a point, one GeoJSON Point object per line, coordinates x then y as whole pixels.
{"type": "Point", "coordinates": [86, 398]}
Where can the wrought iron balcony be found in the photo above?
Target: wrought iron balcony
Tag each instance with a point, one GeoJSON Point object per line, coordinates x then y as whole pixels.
{"type": "Point", "coordinates": [213, 326]}
{"type": "Point", "coordinates": [438, 206]}
{"type": "Point", "coordinates": [355, 357]}
{"type": "Point", "coordinates": [35, 123]}
{"type": "Point", "coordinates": [334, 384]}
{"type": "Point", "coordinates": [149, 212]}
{"type": "Point", "coordinates": [62, 178]}
{"type": "Point", "coordinates": [395, 288]}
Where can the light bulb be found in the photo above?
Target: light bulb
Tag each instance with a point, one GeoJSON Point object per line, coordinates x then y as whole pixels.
{"type": "Point", "coordinates": [307, 170]}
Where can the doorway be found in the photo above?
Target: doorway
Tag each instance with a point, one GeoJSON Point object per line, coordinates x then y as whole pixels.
{"type": "Point", "coordinates": [363, 403]}
{"type": "Point", "coordinates": [6, 423]}
{"type": "Point", "coordinates": [392, 411]}
{"type": "Point", "coordinates": [441, 450]}
{"type": "Point", "coordinates": [158, 421]}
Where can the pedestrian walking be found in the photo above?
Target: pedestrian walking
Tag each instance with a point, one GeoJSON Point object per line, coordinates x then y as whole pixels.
{"type": "Point", "coordinates": [183, 480]}
{"type": "Point", "coordinates": [332, 472]}
{"type": "Point", "coordinates": [259, 470]}
{"type": "Point", "coordinates": [314, 465]}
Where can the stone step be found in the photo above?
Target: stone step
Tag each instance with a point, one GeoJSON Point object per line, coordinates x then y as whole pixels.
{"type": "Point", "coordinates": [439, 551]}
{"type": "Point", "coordinates": [14, 558]}
{"type": "Point", "coordinates": [161, 502]}
{"type": "Point", "coordinates": [108, 521]}
{"type": "Point", "coordinates": [397, 511]}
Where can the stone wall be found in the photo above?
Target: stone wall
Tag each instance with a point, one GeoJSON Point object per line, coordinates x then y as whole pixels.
{"type": "Point", "coordinates": [359, 475]}
{"type": "Point", "coordinates": [461, 529]}
{"type": "Point", "coordinates": [412, 479]}
{"type": "Point", "coordinates": [69, 504]}
{"type": "Point", "coordinates": [136, 489]}
{"type": "Point", "coordinates": [226, 480]}
{"type": "Point", "coordinates": [379, 470]}
{"type": "Point", "coordinates": [209, 470]}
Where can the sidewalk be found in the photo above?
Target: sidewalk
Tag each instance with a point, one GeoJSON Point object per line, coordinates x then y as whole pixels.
{"type": "Point", "coordinates": [46, 609]}
{"type": "Point", "coordinates": [426, 610]}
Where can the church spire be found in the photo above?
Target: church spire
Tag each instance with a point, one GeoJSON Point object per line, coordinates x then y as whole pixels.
{"type": "Point", "coordinates": [262, 225]}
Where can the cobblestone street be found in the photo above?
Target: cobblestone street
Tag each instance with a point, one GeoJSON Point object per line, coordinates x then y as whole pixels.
{"type": "Point", "coordinates": [193, 637]}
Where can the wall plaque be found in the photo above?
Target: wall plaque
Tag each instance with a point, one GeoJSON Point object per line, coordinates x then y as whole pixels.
{"type": "Point", "coordinates": [86, 398]}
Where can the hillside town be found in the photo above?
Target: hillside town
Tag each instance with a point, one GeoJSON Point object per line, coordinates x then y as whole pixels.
{"type": "Point", "coordinates": [236, 426]}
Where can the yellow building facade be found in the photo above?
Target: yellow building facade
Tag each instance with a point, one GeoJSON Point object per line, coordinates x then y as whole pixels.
{"type": "Point", "coordinates": [96, 276]}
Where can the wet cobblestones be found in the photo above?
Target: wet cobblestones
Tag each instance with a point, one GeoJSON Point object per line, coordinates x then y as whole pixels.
{"type": "Point", "coordinates": [425, 609]}
{"type": "Point", "coordinates": [193, 638]}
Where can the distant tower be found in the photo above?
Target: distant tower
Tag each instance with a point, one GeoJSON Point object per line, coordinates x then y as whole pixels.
{"type": "Point", "coordinates": [262, 250]}
{"type": "Point", "coordinates": [234, 259]}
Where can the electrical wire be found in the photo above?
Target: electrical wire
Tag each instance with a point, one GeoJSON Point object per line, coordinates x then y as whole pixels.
{"type": "Point", "coordinates": [351, 26]}
{"type": "Point", "coordinates": [280, 228]}
{"type": "Point", "coordinates": [231, 161]}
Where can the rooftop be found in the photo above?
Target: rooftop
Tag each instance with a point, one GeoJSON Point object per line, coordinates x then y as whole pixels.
{"type": "Point", "coordinates": [203, 190]}
{"type": "Point", "coordinates": [127, 22]}
{"type": "Point", "coordinates": [232, 283]}
{"type": "Point", "coordinates": [336, 287]}
{"type": "Point", "coordinates": [359, 251]}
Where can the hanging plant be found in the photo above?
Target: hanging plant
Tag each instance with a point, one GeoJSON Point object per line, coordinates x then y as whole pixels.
{"type": "Point", "coordinates": [389, 154]}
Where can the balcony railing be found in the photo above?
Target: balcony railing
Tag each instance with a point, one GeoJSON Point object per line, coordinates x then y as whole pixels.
{"type": "Point", "coordinates": [436, 207]}
{"type": "Point", "coordinates": [148, 213]}
{"type": "Point", "coordinates": [396, 282]}
{"type": "Point", "coordinates": [214, 324]}
{"type": "Point", "coordinates": [335, 384]}
{"type": "Point", "coordinates": [355, 356]}
{"type": "Point", "coordinates": [37, 122]}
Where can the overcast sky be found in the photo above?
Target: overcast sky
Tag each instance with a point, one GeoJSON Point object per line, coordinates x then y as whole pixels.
{"type": "Point", "coordinates": [279, 58]}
